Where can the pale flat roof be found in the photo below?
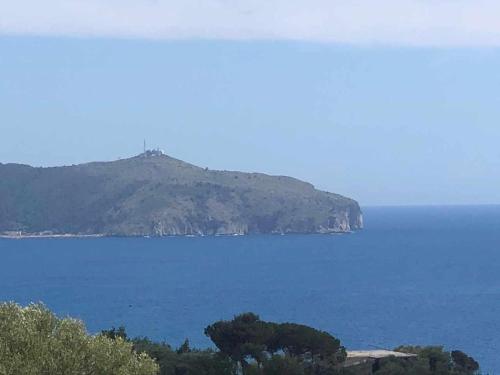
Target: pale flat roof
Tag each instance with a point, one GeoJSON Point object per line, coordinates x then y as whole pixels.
{"type": "Point", "coordinates": [377, 354]}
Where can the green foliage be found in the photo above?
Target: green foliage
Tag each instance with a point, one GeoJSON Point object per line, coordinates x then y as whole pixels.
{"type": "Point", "coordinates": [246, 337]}
{"type": "Point", "coordinates": [305, 342]}
{"type": "Point", "coordinates": [265, 348]}
{"type": "Point", "coordinates": [430, 360]}
{"type": "Point", "coordinates": [184, 348]}
{"type": "Point", "coordinates": [462, 362]}
{"type": "Point", "coordinates": [278, 365]}
{"type": "Point", "coordinates": [398, 366]}
{"type": "Point", "coordinates": [184, 360]}
{"type": "Point", "coordinates": [114, 333]}
{"type": "Point", "coordinates": [283, 364]}
{"type": "Point", "coordinates": [34, 341]}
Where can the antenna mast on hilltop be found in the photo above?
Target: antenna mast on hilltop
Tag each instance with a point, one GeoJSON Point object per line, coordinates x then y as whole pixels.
{"type": "Point", "coordinates": [144, 145]}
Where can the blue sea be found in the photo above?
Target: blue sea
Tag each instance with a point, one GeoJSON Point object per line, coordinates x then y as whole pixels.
{"type": "Point", "coordinates": [414, 275]}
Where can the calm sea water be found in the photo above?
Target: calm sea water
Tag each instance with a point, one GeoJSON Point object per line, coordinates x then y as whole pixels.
{"type": "Point", "coordinates": [413, 276]}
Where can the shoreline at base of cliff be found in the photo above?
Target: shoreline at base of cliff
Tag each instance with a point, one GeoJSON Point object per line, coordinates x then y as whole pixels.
{"type": "Point", "coordinates": [72, 235]}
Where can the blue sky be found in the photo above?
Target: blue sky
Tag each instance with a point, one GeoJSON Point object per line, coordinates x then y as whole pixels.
{"type": "Point", "coordinates": [384, 125]}
{"type": "Point", "coordinates": [389, 102]}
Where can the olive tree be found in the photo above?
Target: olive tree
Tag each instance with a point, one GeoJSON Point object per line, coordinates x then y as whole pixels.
{"type": "Point", "coordinates": [33, 341]}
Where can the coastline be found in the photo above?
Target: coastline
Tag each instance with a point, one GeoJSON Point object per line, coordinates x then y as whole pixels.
{"type": "Point", "coordinates": [72, 235]}
{"type": "Point", "coordinates": [34, 235]}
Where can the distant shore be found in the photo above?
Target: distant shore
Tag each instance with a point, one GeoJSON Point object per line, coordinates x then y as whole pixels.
{"type": "Point", "coordinates": [72, 235]}
{"type": "Point", "coordinates": [35, 235]}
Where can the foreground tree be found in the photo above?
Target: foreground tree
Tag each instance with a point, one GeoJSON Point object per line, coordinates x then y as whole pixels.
{"type": "Point", "coordinates": [34, 341]}
{"type": "Point", "coordinates": [246, 338]}
{"type": "Point", "coordinates": [243, 338]}
{"type": "Point", "coordinates": [307, 344]}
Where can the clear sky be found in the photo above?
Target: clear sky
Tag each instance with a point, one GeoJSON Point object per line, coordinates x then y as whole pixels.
{"type": "Point", "coordinates": [402, 122]}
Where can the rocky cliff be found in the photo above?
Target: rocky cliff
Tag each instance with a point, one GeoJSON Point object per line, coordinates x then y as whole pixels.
{"type": "Point", "coordinates": [154, 194]}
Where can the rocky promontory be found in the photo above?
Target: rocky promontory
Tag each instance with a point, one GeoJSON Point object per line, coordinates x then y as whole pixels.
{"type": "Point", "coordinates": [153, 194]}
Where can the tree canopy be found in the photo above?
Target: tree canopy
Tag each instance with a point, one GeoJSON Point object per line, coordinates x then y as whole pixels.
{"type": "Point", "coordinates": [247, 337]}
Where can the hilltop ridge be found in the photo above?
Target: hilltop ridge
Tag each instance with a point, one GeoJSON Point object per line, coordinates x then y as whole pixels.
{"type": "Point", "coordinates": [154, 194]}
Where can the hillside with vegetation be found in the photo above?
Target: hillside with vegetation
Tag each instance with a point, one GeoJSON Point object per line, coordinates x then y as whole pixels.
{"type": "Point", "coordinates": [153, 194]}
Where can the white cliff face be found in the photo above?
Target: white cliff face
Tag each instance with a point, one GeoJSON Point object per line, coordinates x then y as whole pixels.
{"type": "Point", "coordinates": [358, 221]}
{"type": "Point", "coordinates": [342, 221]}
{"type": "Point", "coordinates": [345, 221]}
{"type": "Point", "coordinates": [182, 228]}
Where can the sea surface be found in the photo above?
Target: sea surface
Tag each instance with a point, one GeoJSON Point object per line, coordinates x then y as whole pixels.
{"type": "Point", "coordinates": [415, 275]}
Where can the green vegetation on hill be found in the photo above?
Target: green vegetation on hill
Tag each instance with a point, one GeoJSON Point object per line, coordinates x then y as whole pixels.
{"type": "Point", "coordinates": [153, 194]}
{"type": "Point", "coordinates": [33, 341]}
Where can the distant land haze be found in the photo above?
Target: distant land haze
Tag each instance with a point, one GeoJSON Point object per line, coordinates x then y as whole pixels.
{"type": "Point", "coordinates": [153, 194]}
